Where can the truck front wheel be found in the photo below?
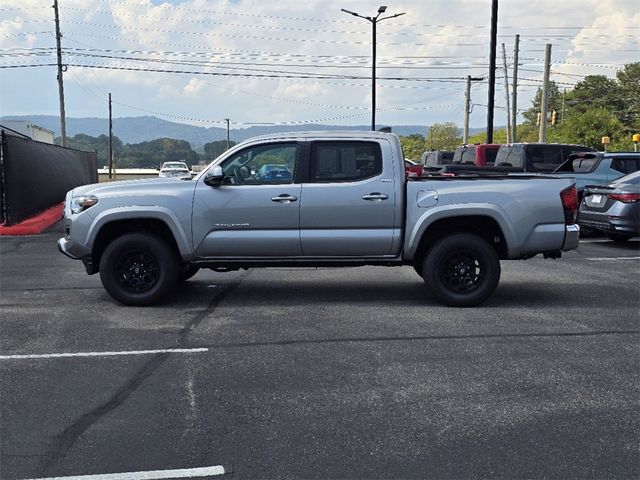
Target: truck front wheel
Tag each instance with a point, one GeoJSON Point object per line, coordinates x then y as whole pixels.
{"type": "Point", "coordinates": [138, 269]}
{"type": "Point", "coordinates": [462, 270]}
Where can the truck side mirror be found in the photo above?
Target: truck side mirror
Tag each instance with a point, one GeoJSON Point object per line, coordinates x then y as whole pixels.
{"type": "Point", "coordinates": [215, 177]}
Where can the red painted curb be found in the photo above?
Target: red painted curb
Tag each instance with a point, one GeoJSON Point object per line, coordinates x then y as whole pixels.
{"type": "Point", "coordinates": [36, 224]}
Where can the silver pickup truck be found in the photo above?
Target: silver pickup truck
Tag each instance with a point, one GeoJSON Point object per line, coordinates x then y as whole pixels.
{"type": "Point", "coordinates": [316, 199]}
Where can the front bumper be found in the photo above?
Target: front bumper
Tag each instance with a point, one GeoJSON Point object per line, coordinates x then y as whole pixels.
{"type": "Point", "coordinates": [63, 248]}
{"type": "Point", "coordinates": [87, 260]}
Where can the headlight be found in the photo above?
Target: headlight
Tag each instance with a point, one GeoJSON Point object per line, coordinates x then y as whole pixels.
{"type": "Point", "coordinates": [80, 204]}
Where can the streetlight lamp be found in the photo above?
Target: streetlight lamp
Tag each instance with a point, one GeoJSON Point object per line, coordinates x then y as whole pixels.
{"type": "Point", "coordinates": [374, 21]}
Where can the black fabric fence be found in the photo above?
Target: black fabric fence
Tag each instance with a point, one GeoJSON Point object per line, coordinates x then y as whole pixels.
{"type": "Point", "coordinates": [35, 176]}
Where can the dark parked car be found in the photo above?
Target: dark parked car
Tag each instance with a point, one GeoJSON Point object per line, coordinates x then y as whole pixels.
{"type": "Point", "coordinates": [613, 209]}
{"type": "Point", "coordinates": [436, 158]}
{"type": "Point", "coordinates": [274, 173]}
{"type": "Point", "coordinates": [536, 157]}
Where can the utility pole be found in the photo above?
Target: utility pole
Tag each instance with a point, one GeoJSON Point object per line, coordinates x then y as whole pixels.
{"type": "Point", "coordinates": [61, 68]}
{"type": "Point", "coordinates": [506, 92]}
{"type": "Point", "coordinates": [467, 107]}
{"type": "Point", "coordinates": [111, 173]}
{"type": "Point", "coordinates": [228, 137]}
{"type": "Point", "coordinates": [564, 93]}
{"type": "Point", "coordinates": [542, 136]}
{"type": "Point", "coordinates": [492, 69]}
{"type": "Point", "coordinates": [514, 92]}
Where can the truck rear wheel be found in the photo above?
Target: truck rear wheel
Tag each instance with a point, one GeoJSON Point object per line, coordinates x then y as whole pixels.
{"type": "Point", "coordinates": [138, 269]}
{"type": "Point", "coordinates": [462, 270]}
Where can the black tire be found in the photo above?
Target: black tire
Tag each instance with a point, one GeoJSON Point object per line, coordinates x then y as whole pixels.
{"type": "Point", "coordinates": [620, 237]}
{"type": "Point", "coordinates": [138, 269]}
{"type": "Point", "coordinates": [462, 270]}
{"type": "Point", "coordinates": [187, 271]}
{"type": "Point", "coordinates": [418, 268]}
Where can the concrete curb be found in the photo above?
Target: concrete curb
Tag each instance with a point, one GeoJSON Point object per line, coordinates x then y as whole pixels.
{"type": "Point", "coordinates": [36, 224]}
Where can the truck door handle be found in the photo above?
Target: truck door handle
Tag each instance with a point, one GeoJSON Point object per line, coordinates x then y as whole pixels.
{"type": "Point", "coordinates": [375, 196]}
{"type": "Point", "coordinates": [284, 198]}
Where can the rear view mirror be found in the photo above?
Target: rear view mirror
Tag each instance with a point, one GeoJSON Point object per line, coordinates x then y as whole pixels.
{"type": "Point", "coordinates": [214, 177]}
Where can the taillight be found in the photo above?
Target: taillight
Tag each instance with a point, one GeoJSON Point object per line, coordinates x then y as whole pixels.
{"type": "Point", "coordinates": [625, 197]}
{"type": "Point", "coordinates": [569, 198]}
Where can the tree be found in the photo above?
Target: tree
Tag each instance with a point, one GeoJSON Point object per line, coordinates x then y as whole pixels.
{"type": "Point", "coordinates": [595, 91]}
{"type": "Point", "coordinates": [153, 153]}
{"type": "Point", "coordinates": [99, 144]}
{"type": "Point", "coordinates": [213, 150]}
{"type": "Point", "coordinates": [589, 127]}
{"type": "Point", "coordinates": [443, 136]}
{"type": "Point", "coordinates": [629, 90]}
{"type": "Point", "coordinates": [413, 146]}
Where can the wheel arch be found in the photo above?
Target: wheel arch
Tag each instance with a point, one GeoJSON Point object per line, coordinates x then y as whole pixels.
{"type": "Point", "coordinates": [483, 226]}
{"type": "Point", "coordinates": [111, 228]}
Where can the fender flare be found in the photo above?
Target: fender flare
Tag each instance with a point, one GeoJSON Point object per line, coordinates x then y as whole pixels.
{"type": "Point", "coordinates": [434, 214]}
{"type": "Point", "coordinates": [141, 213]}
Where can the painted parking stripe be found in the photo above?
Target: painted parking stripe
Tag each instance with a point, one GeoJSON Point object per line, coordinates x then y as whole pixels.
{"type": "Point", "coordinates": [601, 259]}
{"type": "Point", "coordinates": [103, 354]}
{"type": "Point", "coordinates": [149, 475]}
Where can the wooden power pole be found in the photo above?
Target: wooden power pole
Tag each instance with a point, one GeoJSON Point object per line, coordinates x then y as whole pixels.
{"type": "Point", "coordinates": [111, 172]}
{"type": "Point", "coordinates": [542, 136]}
{"type": "Point", "coordinates": [514, 92]}
{"type": "Point", "coordinates": [61, 68]}
{"type": "Point", "coordinates": [506, 92]}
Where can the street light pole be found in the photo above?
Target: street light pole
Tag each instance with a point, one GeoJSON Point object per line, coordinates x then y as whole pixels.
{"type": "Point", "coordinates": [374, 21]}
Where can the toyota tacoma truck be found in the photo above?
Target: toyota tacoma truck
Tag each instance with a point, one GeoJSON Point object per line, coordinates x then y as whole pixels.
{"type": "Point", "coordinates": [316, 199]}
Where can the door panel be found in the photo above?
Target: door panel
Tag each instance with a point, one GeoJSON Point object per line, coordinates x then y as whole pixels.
{"type": "Point", "coordinates": [255, 213]}
{"type": "Point", "coordinates": [343, 214]}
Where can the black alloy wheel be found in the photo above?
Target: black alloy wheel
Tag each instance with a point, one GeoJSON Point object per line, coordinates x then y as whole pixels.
{"type": "Point", "coordinates": [138, 269]}
{"type": "Point", "coordinates": [462, 269]}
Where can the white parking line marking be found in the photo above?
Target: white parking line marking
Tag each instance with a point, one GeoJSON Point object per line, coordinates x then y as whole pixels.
{"type": "Point", "coordinates": [102, 354]}
{"type": "Point", "coordinates": [612, 258]}
{"type": "Point", "coordinates": [149, 475]}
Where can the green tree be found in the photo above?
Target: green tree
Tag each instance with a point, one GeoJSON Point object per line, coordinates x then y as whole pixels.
{"type": "Point", "coordinates": [443, 136]}
{"type": "Point", "coordinates": [152, 154]}
{"type": "Point", "coordinates": [629, 90]}
{"type": "Point", "coordinates": [588, 128]}
{"type": "Point", "coordinates": [595, 91]}
{"type": "Point", "coordinates": [213, 150]}
{"type": "Point", "coordinates": [499, 136]}
{"type": "Point", "coordinates": [99, 144]}
{"type": "Point", "coordinates": [413, 146]}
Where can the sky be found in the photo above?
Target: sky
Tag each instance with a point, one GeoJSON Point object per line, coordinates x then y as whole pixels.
{"type": "Point", "coordinates": [293, 62]}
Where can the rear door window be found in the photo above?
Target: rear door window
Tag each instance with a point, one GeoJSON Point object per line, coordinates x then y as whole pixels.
{"type": "Point", "coordinates": [543, 158]}
{"type": "Point", "coordinates": [469, 156]}
{"type": "Point", "coordinates": [509, 156]}
{"type": "Point", "coordinates": [584, 165]}
{"type": "Point", "coordinates": [490, 155]}
{"type": "Point", "coordinates": [625, 165]}
{"type": "Point", "coordinates": [345, 161]}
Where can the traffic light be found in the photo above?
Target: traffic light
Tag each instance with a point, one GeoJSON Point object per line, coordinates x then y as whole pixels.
{"type": "Point", "coordinates": [538, 120]}
{"type": "Point", "coordinates": [554, 117]}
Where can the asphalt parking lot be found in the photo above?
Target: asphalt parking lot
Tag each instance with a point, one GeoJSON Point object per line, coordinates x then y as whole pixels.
{"type": "Point", "coordinates": [321, 373]}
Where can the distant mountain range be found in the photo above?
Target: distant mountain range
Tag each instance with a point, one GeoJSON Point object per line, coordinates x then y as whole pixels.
{"type": "Point", "coordinates": [140, 129]}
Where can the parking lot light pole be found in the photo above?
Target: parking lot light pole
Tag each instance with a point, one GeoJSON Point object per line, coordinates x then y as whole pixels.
{"type": "Point", "coordinates": [374, 21]}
